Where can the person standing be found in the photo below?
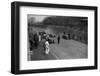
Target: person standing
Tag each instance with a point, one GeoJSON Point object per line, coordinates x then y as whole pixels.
{"type": "Point", "coordinates": [47, 49]}
{"type": "Point", "coordinates": [58, 39]}
{"type": "Point", "coordinates": [36, 40]}
{"type": "Point", "coordinates": [39, 37]}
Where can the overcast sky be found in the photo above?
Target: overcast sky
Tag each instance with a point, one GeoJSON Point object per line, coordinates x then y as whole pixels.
{"type": "Point", "coordinates": [37, 18]}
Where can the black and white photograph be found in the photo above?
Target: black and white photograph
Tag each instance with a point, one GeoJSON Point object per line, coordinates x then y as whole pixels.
{"type": "Point", "coordinates": [53, 37]}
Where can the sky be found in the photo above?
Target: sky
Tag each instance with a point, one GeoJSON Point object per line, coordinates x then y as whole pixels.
{"type": "Point", "coordinates": [37, 18]}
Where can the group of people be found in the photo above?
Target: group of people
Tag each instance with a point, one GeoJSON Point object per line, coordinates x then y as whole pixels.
{"type": "Point", "coordinates": [75, 36]}
{"type": "Point", "coordinates": [36, 38]}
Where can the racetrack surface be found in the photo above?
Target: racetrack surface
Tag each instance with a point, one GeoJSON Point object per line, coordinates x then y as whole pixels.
{"type": "Point", "coordinates": [67, 49]}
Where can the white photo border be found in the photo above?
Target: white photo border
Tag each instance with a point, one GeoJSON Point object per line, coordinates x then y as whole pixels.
{"type": "Point", "coordinates": [26, 65]}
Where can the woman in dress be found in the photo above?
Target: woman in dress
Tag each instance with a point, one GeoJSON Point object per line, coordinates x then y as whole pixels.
{"type": "Point", "coordinates": [47, 48]}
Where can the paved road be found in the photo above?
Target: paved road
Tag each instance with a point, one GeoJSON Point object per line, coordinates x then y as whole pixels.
{"type": "Point", "coordinates": [67, 49]}
{"type": "Point", "coordinates": [38, 54]}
